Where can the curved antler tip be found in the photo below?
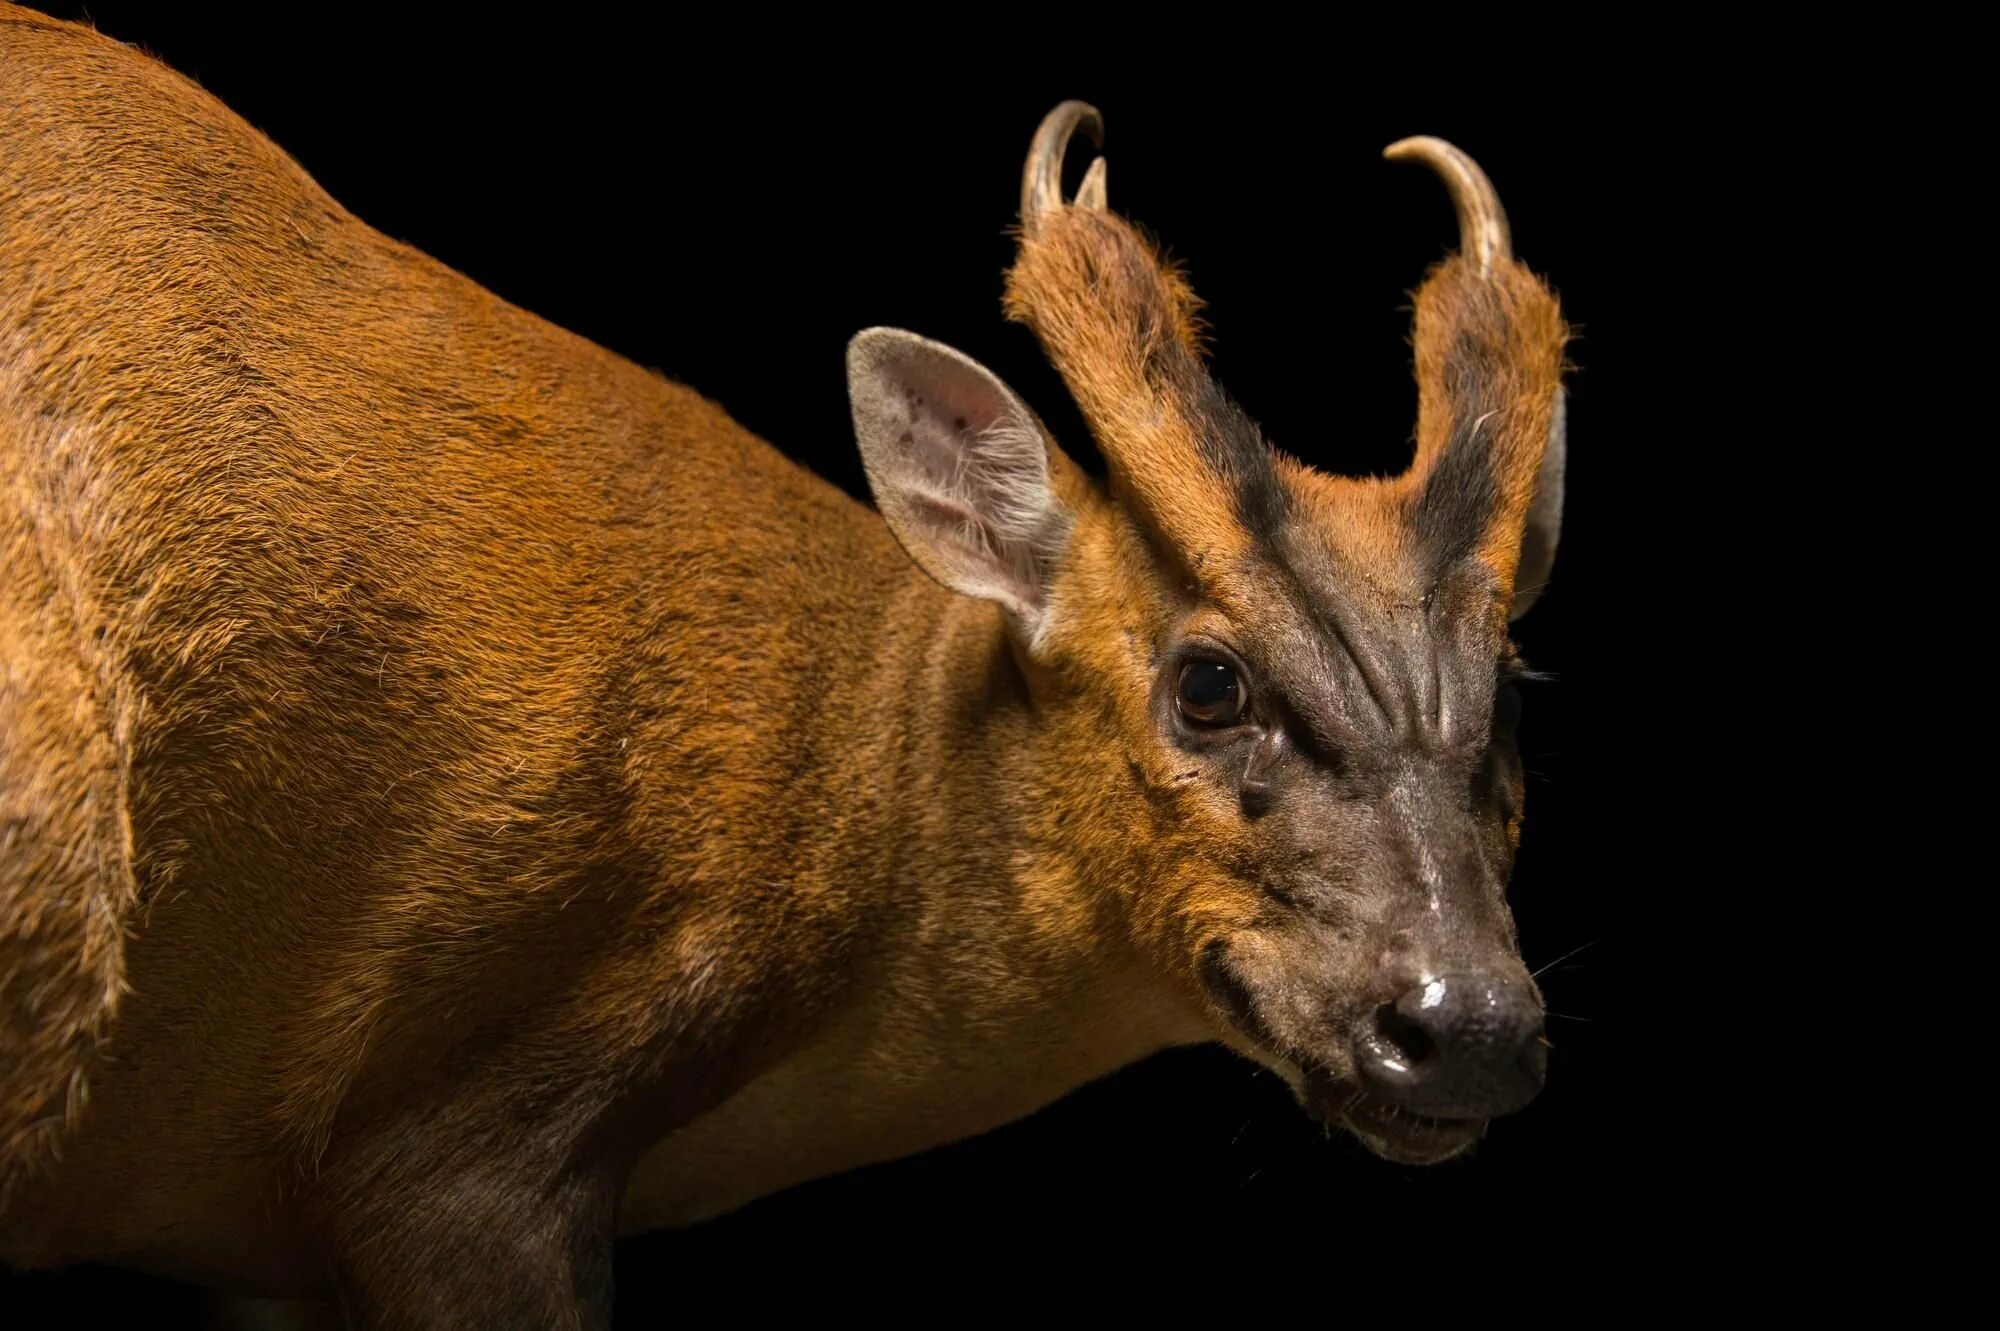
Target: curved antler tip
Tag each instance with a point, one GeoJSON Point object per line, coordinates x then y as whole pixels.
{"type": "Point", "coordinates": [1041, 179]}
{"type": "Point", "coordinates": [1482, 223]}
{"type": "Point", "coordinates": [1078, 114]}
{"type": "Point", "coordinates": [1417, 145]}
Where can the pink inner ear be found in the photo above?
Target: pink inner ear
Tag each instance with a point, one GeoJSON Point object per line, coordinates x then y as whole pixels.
{"type": "Point", "coordinates": [945, 418]}
{"type": "Point", "coordinates": [977, 481]}
{"type": "Point", "coordinates": [961, 469]}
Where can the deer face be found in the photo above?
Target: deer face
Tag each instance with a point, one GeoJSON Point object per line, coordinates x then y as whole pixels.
{"type": "Point", "coordinates": [1276, 707]}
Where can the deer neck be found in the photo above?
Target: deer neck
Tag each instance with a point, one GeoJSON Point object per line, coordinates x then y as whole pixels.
{"type": "Point", "coordinates": [984, 980]}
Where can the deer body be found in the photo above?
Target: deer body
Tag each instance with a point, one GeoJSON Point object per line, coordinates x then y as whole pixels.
{"type": "Point", "coordinates": [582, 630]}
{"type": "Point", "coordinates": [464, 796]}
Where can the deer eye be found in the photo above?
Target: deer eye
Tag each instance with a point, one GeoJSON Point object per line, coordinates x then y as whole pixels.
{"type": "Point", "coordinates": [1210, 694]}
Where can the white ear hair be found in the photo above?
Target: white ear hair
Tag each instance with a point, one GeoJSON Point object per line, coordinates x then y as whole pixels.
{"type": "Point", "coordinates": [960, 468]}
{"type": "Point", "coordinates": [1538, 540]}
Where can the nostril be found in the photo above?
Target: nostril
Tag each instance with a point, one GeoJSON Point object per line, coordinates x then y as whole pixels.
{"type": "Point", "coordinates": [1404, 1036]}
{"type": "Point", "coordinates": [1460, 1046]}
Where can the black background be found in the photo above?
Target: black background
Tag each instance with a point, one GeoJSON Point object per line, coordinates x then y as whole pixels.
{"type": "Point", "coordinates": [730, 207]}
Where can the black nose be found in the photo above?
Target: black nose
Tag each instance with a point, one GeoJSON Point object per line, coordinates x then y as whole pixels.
{"type": "Point", "coordinates": [1458, 1046]}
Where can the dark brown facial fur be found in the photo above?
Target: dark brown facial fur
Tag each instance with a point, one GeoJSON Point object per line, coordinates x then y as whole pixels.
{"type": "Point", "coordinates": [1360, 802]}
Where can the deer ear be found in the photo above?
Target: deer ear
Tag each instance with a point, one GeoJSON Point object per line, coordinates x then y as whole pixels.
{"type": "Point", "coordinates": [961, 470]}
{"type": "Point", "coordinates": [1538, 539]}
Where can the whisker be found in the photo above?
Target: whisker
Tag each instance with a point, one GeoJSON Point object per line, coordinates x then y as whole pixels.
{"type": "Point", "coordinates": [1537, 973]}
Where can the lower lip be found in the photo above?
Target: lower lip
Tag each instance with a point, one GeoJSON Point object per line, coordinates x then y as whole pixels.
{"type": "Point", "coordinates": [1385, 1118]}
{"type": "Point", "coordinates": [1363, 1113]}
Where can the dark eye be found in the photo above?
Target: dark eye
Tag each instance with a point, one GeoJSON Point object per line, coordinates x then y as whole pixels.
{"type": "Point", "coordinates": [1507, 707]}
{"type": "Point", "coordinates": [1210, 694]}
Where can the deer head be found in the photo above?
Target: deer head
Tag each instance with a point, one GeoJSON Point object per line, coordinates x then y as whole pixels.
{"type": "Point", "coordinates": [1275, 708]}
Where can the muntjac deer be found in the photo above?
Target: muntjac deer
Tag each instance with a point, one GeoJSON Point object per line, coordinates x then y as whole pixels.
{"type": "Point", "coordinates": [462, 797]}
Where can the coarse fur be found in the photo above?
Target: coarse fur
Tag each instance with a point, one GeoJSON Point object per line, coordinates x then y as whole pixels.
{"type": "Point", "coordinates": [426, 849]}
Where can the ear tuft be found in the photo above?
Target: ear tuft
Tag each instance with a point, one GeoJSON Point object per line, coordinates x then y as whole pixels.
{"type": "Point", "coordinates": [960, 469]}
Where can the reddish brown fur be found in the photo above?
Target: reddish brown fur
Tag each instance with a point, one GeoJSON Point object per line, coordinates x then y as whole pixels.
{"type": "Point", "coordinates": [1123, 328]}
{"type": "Point", "coordinates": [420, 796]}
{"type": "Point", "coordinates": [347, 687]}
{"type": "Point", "coordinates": [1516, 334]}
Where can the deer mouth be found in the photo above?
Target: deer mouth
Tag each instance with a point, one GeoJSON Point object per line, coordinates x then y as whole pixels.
{"type": "Point", "coordinates": [1393, 1133]}
{"type": "Point", "coordinates": [1390, 1133]}
{"type": "Point", "coordinates": [1396, 1134]}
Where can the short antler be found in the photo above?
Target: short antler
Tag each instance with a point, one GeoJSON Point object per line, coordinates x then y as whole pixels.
{"type": "Point", "coordinates": [1482, 223]}
{"type": "Point", "coordinates": [1120, 325]}
{"type": "Point", "coordinates": [1489, 339]}
{"type": "Point", "coordinates": [1041, 177]}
